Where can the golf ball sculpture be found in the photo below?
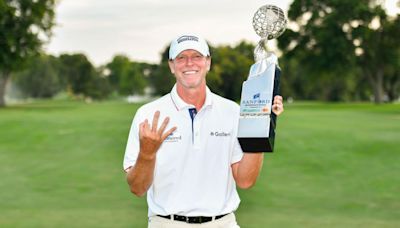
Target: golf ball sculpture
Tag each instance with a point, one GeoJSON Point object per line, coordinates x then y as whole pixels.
{"type": "Point", "coordinates": [269, 22]}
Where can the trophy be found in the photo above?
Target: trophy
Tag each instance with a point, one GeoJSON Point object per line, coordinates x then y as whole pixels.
{"type": "Point", "coordinates": [257, 122]}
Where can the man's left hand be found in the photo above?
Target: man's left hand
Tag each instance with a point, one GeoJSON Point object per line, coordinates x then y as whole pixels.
{"type": "Point", "coordinates": [277, 106]}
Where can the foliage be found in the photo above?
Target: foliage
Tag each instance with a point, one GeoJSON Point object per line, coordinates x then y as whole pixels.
{"type": "Point", "coordinates": [230, 68]}
{"type": "Point", "coordinates": [161, 79]}
{"type": "Point", "coordinates": [78, 71]}
{"type": "Point", "coordinates": [127, 77]}
{"type": "Point", "coordinates": [342, 38]}
{"type": "Point", "coordinates": [40, 79]}
{"type": "Point", "coordinates": [99, 87]}
{"type": "Point", "coordinates": [23, 26]}
{"type": "Point", "coordinates": [82, 78]}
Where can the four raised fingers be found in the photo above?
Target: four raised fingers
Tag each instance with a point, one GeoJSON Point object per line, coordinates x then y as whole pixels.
{"type": "Point", "coordinates": [146, 129]}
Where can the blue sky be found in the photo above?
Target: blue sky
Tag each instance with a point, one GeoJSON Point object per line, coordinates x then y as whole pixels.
{"type": "Point", "coordinates": [141, 29]}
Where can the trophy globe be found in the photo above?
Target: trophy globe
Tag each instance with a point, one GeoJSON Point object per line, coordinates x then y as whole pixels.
{"type": "Point", "coordinates": [269, 22]}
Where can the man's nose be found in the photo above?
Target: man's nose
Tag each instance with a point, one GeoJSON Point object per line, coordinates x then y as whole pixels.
{"type": "Point", "coordinates": [189, 61]}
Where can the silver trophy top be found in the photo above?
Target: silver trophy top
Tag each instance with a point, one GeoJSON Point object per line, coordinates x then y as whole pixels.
{"type": "Point", "coordinates": [269, 22]}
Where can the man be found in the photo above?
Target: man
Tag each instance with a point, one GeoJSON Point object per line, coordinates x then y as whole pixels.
{"type": "Point", "coordinates": [183, 151]}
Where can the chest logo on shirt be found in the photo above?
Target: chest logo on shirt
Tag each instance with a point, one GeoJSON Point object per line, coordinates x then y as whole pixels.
{"type": "Point", "coordinates": [220, 134]}
{"type": "Point", "coordinates": [173, 137]}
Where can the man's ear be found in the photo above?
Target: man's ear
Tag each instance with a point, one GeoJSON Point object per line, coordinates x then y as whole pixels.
{"type": "Point", "coordinates": [208, 63]}
{"type": "Point", "coordinates": [171, 66]}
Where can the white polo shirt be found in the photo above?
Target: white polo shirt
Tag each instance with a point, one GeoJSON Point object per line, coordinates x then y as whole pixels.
{"type": "Point", "coordinates": [193, 175]}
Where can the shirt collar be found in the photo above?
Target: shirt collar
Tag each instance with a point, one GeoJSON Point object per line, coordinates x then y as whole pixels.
{"type": "Point", "coordinates": [180, 104]}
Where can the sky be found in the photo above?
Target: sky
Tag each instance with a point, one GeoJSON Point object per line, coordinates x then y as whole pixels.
{"type": "Point", "coordinates": [142, 29]}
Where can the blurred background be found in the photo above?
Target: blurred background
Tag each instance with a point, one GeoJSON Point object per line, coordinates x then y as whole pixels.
{"type": "Point", "coordinates": [331, 51]}
{"type": "Point", "coordinates": [73, 73]}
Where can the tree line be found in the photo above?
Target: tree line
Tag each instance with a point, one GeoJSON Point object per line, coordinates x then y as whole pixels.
{"type": "Point", "coordinates": [333, 51]}
{"type": "Point", "coordinates": [348, 50]}
{"type": "Point", "coordinates": [44, 76]}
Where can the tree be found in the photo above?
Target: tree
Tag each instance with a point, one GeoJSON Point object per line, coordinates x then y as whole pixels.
{"type": "Point", "coordinates": [333, 36]}
{"type": "Point", "coordinates": [119, 66]}
{"type": "Point", "coordinates": [127, 77]}
{"type": "Point", "coordinates": [377, 53]}
{"type": "Point", "coordinates": [134, 82]}
{"type": "Point", "coordinates": [161, 79]}
{"type": "Point", "coordinates": [23, 23]}
{"type": "Point", "coordinates": [41, 78]}
{"type": "Point", "coordinates": [78, 72]}
{"type": "Point", "coordinates": [230, 67]}
{"type": "Point", "coordinates": [82, 78]}
{"type": "Point", "coordinates": [99, 87]}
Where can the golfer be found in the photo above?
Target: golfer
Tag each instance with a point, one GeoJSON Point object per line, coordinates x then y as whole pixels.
{"type": "Point", "coordinates": [182, 148]}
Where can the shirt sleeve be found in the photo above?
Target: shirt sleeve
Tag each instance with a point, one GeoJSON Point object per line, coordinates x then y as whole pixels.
{"type": "Point", "coordinates": [132, 146]}
{"type": "Point", "coordinates": [237, 153]}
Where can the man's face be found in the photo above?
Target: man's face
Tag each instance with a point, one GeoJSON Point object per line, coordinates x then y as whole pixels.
{"type": "Point", "coordinates": [190, 68]}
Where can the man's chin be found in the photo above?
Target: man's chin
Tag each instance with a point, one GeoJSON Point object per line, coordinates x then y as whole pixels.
{"type": "Point", "coordinates": [192, 85]}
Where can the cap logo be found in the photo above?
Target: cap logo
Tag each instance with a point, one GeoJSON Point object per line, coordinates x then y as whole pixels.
{"type": "Point", "coordinates": [187, 38]}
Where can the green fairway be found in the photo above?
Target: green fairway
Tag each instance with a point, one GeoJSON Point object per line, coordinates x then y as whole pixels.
{"type": "Point", "coordinates": [334, 165]}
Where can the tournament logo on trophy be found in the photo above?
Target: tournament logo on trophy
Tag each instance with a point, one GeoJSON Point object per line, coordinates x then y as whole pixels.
{"type": "Point", "coordinates": [257, 123]}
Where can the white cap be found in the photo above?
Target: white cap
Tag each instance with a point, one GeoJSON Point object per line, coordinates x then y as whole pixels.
{"type": "Point", "coordinates": [187, 42]}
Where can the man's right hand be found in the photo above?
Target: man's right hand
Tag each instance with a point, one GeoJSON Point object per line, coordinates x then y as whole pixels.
{"type": "Point", "coordinates": [151, 138]}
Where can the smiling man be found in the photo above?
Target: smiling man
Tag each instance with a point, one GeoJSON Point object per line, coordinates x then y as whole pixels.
{"type": "Point", "coordinates": [183, 151]}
